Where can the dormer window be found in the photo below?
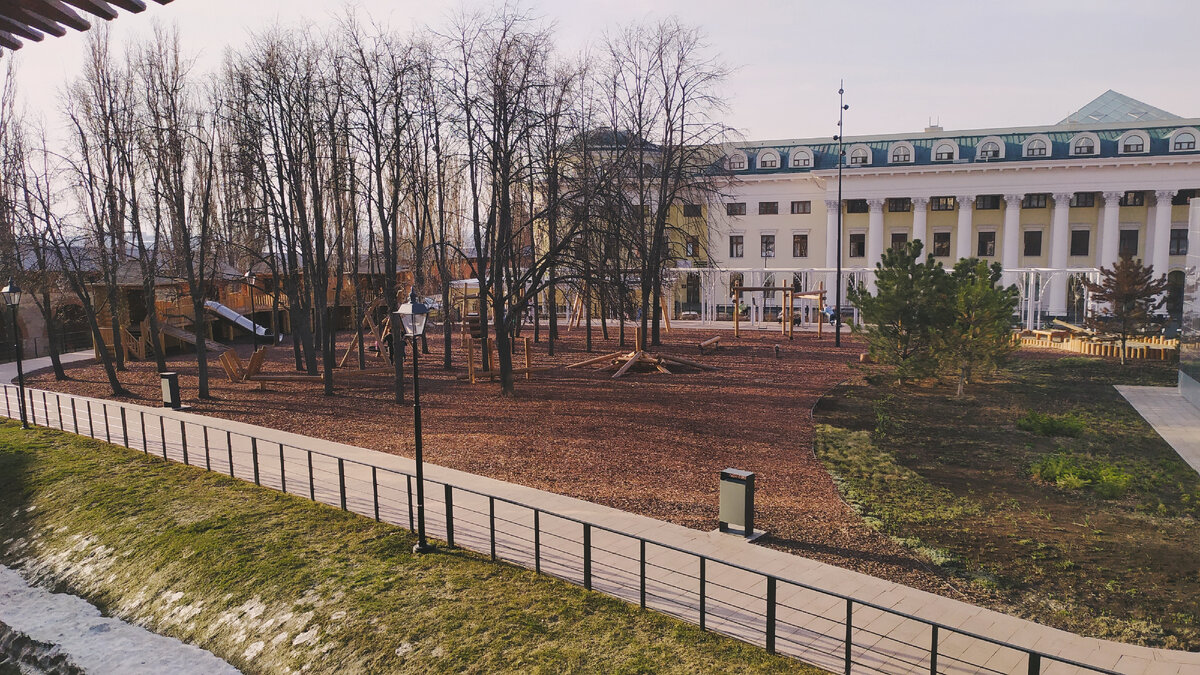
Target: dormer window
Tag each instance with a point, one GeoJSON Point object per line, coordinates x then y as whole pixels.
{"type": "Point", "coordinates": [801, 158]}
{"type": "Point", "coordinates": [1084, 146]}
{"type": "Point", "coordinates": [1133, 144]}
{"type": "Point", "coordinates": [901, 155]}
{"type": "Point", "coordinates": [989, 150]}
{"type": "Point", "coordinates": [768, 159]}
{"type": "Point", "coordinates": [1184, 141]}
{"type": "Point", "coordinates": [737, 162]}
{"type": "Point", "coordinates": [858, 157]}
{"type": "Point", "coordinates": [1036, 148]}
{"type": "Point", "coordinates": [944, 153]}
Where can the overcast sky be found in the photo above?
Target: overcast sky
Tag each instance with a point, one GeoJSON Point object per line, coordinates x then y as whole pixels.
{"type": "Point", "coordinates": [969, 64]}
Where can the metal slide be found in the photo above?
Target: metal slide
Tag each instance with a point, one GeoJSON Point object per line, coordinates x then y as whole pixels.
{"type": "Point", "coordinates": [235, 318]}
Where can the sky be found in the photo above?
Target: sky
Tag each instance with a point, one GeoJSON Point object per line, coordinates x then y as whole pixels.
{"type": "Point", "coordinates": [968, 64]}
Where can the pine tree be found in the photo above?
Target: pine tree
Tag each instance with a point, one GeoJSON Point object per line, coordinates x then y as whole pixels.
{"type": "Point", "coordinates": [1129, 292]}
{"type": "Point", "coordinates": [979, 335]}
{"type": "Point", "coordinates": [910, 308]}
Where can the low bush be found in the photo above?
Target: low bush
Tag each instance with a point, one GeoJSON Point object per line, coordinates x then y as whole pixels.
{"type": "Point", "coordinates": [1077, 472]}
{"type": "Point", "coordinates": [1067, 424]}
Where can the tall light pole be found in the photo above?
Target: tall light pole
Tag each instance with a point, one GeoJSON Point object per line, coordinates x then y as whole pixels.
{"type": "Point", "coordinates": [249, 279]}
{"type": "Point", "coordinates": [413, 315]}
{"type": "Point", "coordinates": [12, 298]}
{"type": "Point", "coordinates": [842, 108]}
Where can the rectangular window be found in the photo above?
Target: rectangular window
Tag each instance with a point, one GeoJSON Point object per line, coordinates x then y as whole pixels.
{"type": "Point", "coordinates": [767, 245]}
{"type": "Point", "coordinates": [1033, 242]}
{"type": "Point", "coordinates": [692, 296]}
{"type": "Point", "coordinates": [691, 246]}
{"type": "Point", "coordinates": [1034, 201]}
{"type": "Point", "coordinates": [736, 246]}
{"type": "Point", "coordinates": [1083, 199]}
{"type": "Point", "coordinates": [768, 163]}
{"type": "Point", "coordinates": [990, 153]}
{"type": "Point", "coordinates": [858, 245]}
{"type": "Point", "coordinates": [691, 211]}
{"type": "Point", "coordinates": [799, 245]}
{"type": "Point", "coordinates": [1183, 197]}
{"type": "Point", "coordinates": [856, 206]}
{"type": "Point", "coordinates": [1133, 144]}
{"type": "Point", "coordinates": [1133, 199]}
{"type": "Point", "coordinates": [735, 209]}
{"type": "Point", "coordinates": [1185, 142]}
{"type": "Point", "coordinates": [1178, 241]}
{"type": "Point", "coordinates": [801, 207]}
{"type": "Point", "coordinates": [899, 239]}
{"type": "Point", "coordinates": [737, 163]}
{"type": "Point", "coordinates": [987, 203]}
{"type": "Point", "coordinates": [1128, 244]}
{"type": "Point", "coordinates": [899, 204]}
{"type": "Point", "coordinates": [941, 244]}
{"type": "Point", "coordinates": [1080, 241]}
{"type": "Point", "coordinates": [987, 245]}
{"type": "Point", "coordinates": [768, 208]}
{"type": "Point", "coordinates": [941, 203]}
{"type": "Point", "coordinates": [944, 156]}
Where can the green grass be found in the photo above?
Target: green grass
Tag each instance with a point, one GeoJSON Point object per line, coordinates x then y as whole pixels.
{"type": "Point", "coordinates": [274, 583]}
{"type": "Point", "coordinates": [1044, 491]}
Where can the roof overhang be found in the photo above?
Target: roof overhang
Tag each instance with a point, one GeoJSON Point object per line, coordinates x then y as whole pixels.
{"type": "Point", "coordinates": [32, 20]}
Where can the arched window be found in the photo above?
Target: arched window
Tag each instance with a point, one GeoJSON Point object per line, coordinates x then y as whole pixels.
{"type": "Point", "coordinates": [1184, 141]}
{"type": "Point", "coordinates": [901, 155]}
{"type": "Point", "coordinates": [858, 156]}
{"type": "Point", "coordinates": [736, 162]}
{"type": "Point", "coordinates": [989, 150]}
{"type": "Point", "coordinates": [1084, 146]}
{"type": "Point", "coordinates": [1132, 142]}
{"type": "Point", "coordinates": [768, 159]}
{"type": "Point", "coordinates": [944, 153]}
{"type": "Point", "coordinates": [1035, 148]}
{"type": "Point", "coordinates": [801, 158]}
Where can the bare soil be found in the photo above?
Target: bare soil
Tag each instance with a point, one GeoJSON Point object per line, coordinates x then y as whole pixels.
{"type": "Point", "coordinates": [652, 444]}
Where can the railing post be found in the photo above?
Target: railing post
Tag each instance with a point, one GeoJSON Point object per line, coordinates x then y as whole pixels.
{"type": "Point", "coordinates": [537, 541]}
{"type": "Point", "coordinates": [7, 405]}
{"type": "Point", "coordinates": [107, 426]}
{"type": "Point", "coordinates": [849, 631]}
{"type": "Point", "coordinates": [254, 457]}
{"type": "Point", "coordinates": [770, 627]}
{"type": "Point", "coordinates": [141, 420]}
{"type": "Point", "coordinates": [492, 525]}
{"type": "Point", "coordinates": [1035, 663]}
{"type": "Point", "coordinates": [312, 485]}
{"type": "Point", "coordinates": [229, 449]}
{"type": "Point", "coordinates": [124, 425]}
{"type": "Point", "coordinates": [587, 556]}
{"type": "Point", "coordinates": [449, 515]}
{"type": "Point", "coordinates": [342, 481]}
{"type": "Point", "coordinates": [282, 477]}
{"type": "Point", "coordinates": [642, 573]}
{"type": "Point", "coordinates": [91, 422]}
{"type": "Point", "coordinates": [74, 418]}
{"type": "Point", "coordinates": [933, 651]}
{"type": "Point", "coordinates": [162, 434]}
{"type": "Point", "coordinates": [411, 526]}
{"type": "Point", "coordinates": [46, 409]}
{"type": "Point", "coordinates": [703, 593]}
{"type": "Point", "coordinates": [58, 406]}
{"type": "Point", "coordinates": [375, 491]}
{"type": "Point", "coordinates": [183, 440]}
{"type": "Point", "coordinates": [207, 455]}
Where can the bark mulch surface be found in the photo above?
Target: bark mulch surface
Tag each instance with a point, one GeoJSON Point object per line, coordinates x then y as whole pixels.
{"type": "Point", "coordinates": [649, 443]}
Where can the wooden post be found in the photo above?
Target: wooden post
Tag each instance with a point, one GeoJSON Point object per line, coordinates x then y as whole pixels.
{"type": "Point", "coordinates": [471, 359]}
{"type": "Point", "coordinates": [662, 302]}
{"type": "Point", "coordinates": [736, 311]}
{"type": "Point", "coordinates": [637, 338]}
{"type": "Point", "coordinates": [820, 309]}
{"type": "Point", "coordinates": [528, 363]}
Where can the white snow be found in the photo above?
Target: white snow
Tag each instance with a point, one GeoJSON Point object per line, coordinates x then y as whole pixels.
{"type": "Point", "coordinates": [93, 642]}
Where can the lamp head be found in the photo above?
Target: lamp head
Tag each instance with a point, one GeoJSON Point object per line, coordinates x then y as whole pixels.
{"type": "Point", "coordinates": [12, 293]}
{"type": "Point", "coordinates": [413, 315]}
{"type": "Point", "coordinates": [249, 277]}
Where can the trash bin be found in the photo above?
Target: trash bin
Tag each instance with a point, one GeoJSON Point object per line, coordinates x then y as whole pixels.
{"type": "Point", "coordinates": [737, 502]}
{"type": "Point", "coordinates": [170, 390]}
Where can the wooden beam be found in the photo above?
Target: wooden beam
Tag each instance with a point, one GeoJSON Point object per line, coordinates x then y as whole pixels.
{"type": "Point", "coordinates": [134, 6]}
{"type": "Point", "coordinates": [33, 19]}
{"type": "Point", "coordinates": [56, 11]}
{"type": "Point", "coordinates": [7, 40]}
{"type": "Point", "coordinates": [20, 29]}
{"type": "Point", "coordinates": [96, 7]}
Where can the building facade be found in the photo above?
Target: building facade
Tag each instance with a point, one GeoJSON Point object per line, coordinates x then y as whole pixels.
{"type": "Point", "coordinates": [1051, 204]}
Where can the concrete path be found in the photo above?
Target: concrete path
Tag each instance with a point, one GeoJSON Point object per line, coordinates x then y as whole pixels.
{"type": "Point", "coordinates": [1171, 415]}
{"type": "Point", "coordinates": [700, 577]}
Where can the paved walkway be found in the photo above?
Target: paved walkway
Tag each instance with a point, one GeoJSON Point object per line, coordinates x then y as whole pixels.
{"type": "Point", "coordinates": [700, 577]}
{"type": "Point", "coordinates": [1171, 415]}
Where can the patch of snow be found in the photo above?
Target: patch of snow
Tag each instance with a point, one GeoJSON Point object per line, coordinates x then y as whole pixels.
{"type": "Point", "coordinates": [96, 643]}
{"type": "Point", "coordinates": [307, 636]}
{"type": "Point", "coordinates": [404, 648]}
{"type": "Point", "coordinates": [253, 650]}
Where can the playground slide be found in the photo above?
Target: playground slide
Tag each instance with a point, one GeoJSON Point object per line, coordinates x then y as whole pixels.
{"type": "Point", "coordinates": [186, 336]}
{"type": "Point", "coordinates": [235, 318]}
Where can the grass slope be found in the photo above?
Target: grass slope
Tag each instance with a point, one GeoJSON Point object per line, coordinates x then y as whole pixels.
{"type": "Point", "coordinates": [276, 584]}
{"type": "Point", "coordinates": [1044, 487]}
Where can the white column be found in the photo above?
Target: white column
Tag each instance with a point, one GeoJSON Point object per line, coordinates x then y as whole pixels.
{"type": "Point", "coordinates": [920, 208]}
{"type": "Point", "coordinates": [1011, 253]}
{"type": "Point", "coordinates": [874, 232]}
{"type": "Point", "coordinates": [831, 243]}
{"type": "Point", "coordinates": [1110, 230]}
{"type": "Point", "coordinates": [1160, 257]}
{"type": "Point", "coordinates": [966, 207]}
{"type": "Point", "coordinates": [1059, 243]}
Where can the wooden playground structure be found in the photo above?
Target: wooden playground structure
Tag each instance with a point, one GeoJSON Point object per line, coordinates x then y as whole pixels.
{"type": "Point", "coordinates": [788, 314]}
{"type": "Point", "coordinates": [640, 360]}
{"type": "Point", "coordinates": [1079, 340]}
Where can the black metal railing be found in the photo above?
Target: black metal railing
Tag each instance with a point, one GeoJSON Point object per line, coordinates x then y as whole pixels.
{"type": "Point", "coordinates": [825, 628]}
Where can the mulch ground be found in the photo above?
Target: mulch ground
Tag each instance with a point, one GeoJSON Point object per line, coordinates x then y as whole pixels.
{"type": "Point", "coordinates": [652, 444]}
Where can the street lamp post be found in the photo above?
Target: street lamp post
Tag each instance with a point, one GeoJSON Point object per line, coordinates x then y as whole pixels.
{"type": "Point", "coordinates": [249, 278]}
{"type": "Point", "coordinates": [842, 108]}
{"type": "Point", "coordinates": [12, 298]}
{"type": "Point", "coordinates": [413, 315]}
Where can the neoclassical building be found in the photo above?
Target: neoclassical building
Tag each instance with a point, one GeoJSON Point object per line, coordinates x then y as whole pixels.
{"type": "Point", "coordinates": [1050, 203]}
